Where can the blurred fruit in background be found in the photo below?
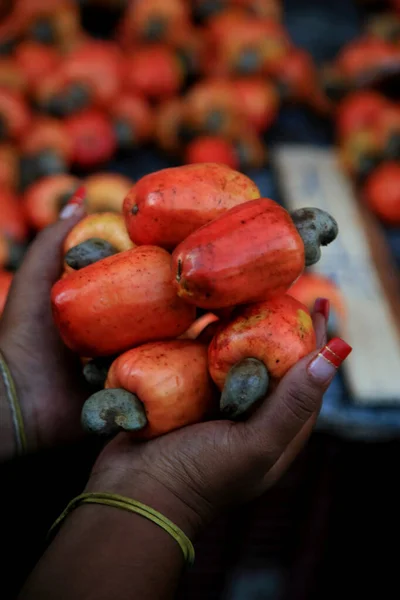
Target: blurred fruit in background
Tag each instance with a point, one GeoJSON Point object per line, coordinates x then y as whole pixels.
{"type": "Point", "coordinates": [93, 138]}
{"type": "Point", "coordinates": [381, 192]}
{"type": "Point", "coordinates": [154, 71]}
{"type": "Point", "coordinates": [385, 26]}
{"type": "Point", "coordinates": [14, 115]}
{"type": "Point", "coordinates": [311, 286]}
{"type": "Point", "coordinates": [368, 131]}
{"type": "Point", "coordinates": [13, 230]}
{"type": "Point", "coordinates": [9, 167]}
{"type": "Point", "coordinates": [5, 283]}
{"type": "Point", "coordinates": [169, 130]}
{"type": "Point", "coordinates": [258, 100]}
{"type": "Point", "coordinates": [204, 9]}
{"type": "Point", "coordinates": [90, 76]}
{"type": "Point", "coordinates": [132, 120]}
{"type": "Point", "coordinates": [298, 81]}
{"type": "Point", "coordinates": [242, 44]}
{"type": "Point", "coordinates": [250, 149]}
{"type": "Point", "coordinates": [361, 63]}
{"type": "Point", "coordinates": [358, 112]}
{"type": "Point", "coordinates": [44, 199]}
{"type": "Point", "coordinates": [360, 154]}
{"type": "Point", "coordinates": [366, 58]}
{"type": "Point", "coordinates": [211, 108]}
{"type": "Point", "coordinates": [111, 4]}
{"type": "Point", "coordinates": [35, 61]}
{"type": "Point", "coordinates": [50, 22]}
{"type": "Point", "coordinates": [46, 149]}
{"type": "Point", "coordinates": [201, 81]}
{"type": "Point", "coordinates": [153, 21]}
{"type": "Point", "coordinates": [262, 8]}
{"type": "Point", "coordinates": [190, 47]}
{"type": "Point", "coordinates": [4, 251]}
{"type": "Point", "coordinates": [12, 218]}
{"type": "Point", "coordinates": [204, 149]}
{"type": "Point", "coordinates": [387, 128]}
{"type": "Point", "coordinates": [11, 76]}
{"type": "Point", "coordinates": [395, 5]}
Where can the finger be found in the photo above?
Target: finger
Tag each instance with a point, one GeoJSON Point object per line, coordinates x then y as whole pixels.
{"type": "Point", "coordinates": [43, 262]}
{"type": "Point", "coordinates": [291, 452]}
{"type": "Point", "coordinates": [320, 317]}
{"type": "Point", "coordinates": [297, 398]}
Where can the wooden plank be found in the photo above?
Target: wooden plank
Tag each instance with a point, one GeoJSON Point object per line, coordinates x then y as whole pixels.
{"type": "Point", "coordinates": [359, 262]}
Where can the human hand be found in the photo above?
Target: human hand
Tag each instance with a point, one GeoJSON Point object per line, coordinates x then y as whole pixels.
{"type": "Point", "coordinates": [192, 473]}
{"type": "Point", "coordinates": [47, 376]}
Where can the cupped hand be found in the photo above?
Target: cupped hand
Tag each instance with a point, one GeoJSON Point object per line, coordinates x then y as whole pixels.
{"type": "Point", "coordinates": [192, 473]}
{"type": "Point", "coordinates": [47, 376]}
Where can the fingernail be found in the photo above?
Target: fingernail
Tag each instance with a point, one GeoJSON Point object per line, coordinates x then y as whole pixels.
{"type": "Point", "coordinates": [322, 306]}
{"type": "Point", "coordinates": [324, 366]}
{"type": "Point", "coordinates": [75, 204]}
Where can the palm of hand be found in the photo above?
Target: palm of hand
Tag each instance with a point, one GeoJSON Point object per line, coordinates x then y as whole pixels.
{"type": "Point", "coordinates": [47, 376]}
{"type": "Point", "coordinates": [209, 464]}
{"type": "Point", "coordinates": [205, 466]}
{"type": "Point", "coordinates": [49, 388]}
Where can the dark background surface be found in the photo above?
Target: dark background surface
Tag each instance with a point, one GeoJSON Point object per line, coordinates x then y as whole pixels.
{"type": "Point", "coordinates": [329, 529]}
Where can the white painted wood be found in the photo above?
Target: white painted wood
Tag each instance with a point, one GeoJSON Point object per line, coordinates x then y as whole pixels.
{"type": "Point", "coordinates": [311, 176]}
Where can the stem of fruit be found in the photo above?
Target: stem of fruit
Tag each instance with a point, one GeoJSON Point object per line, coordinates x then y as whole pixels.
{"type": "Point", "coordinates": [113, 410]}
{"type": "Point", "coordinates": [246, 384]}
{"type": "Point", "coordinates": [89, 252]}
{"type": "Point", "coordinates": [316, 228]}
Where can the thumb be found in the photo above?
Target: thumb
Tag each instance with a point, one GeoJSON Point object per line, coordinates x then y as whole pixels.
{"type": "Point", "coordinates": [43, 261]}
{"type": "Point", "coordinates": [296, 400]}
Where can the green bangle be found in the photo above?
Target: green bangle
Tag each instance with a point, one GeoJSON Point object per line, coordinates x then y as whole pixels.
{"type": "Point", "coordinates": [135, 507]}
{"type": "Point", "coordinates": [16, 413]}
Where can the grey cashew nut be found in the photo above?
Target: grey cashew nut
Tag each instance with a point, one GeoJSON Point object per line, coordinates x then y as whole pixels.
{"type": "Point", "coordinates": [96, 370]}
{"type": "Point", "coordinates": [245, 385]}
{"type": "Point", "coordinates": [89, 252]}
{"type": "Point", "coordinates": [113, 410]}
{"type": "Point", "coordinates": [317, 228]}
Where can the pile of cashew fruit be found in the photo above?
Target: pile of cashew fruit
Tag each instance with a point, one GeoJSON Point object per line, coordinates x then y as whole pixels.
{"type": "Point", "coordinates": [181, 308]}
{"type": "Point", "coordinates": [201, 81]}
{"type": "Point", "coordinates": [368, 139]}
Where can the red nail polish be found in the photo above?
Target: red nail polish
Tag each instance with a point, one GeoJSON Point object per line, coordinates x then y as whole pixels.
{"type": "Point", "coordinates": [75, 204]}
{"type": "Point", "coordinates": [322, 306]}
{"type": "Point", "coordinates": [336, 351]}
{"type": "Point", "coordinates": [79, 196]}
{"type": "Point", "coordinates": [323, 367]}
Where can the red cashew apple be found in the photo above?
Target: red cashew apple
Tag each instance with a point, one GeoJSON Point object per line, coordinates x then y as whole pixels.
{"type": "Point", "coordinates": [169, 387]}
{"type": "Point", "coordinates": [382, 192]}
{"type": "Point", "coordinates": [276, 333]}
{"type": "Point", "coordinates": [163, 208]}
{"type": "Point", "coordinates": [120, 302]}
{"type": "Point", "coordinates": [252, 252]}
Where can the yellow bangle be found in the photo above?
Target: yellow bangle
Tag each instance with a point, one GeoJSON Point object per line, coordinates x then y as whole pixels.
{"type": "Point", "coordinates": [136, 507]}
{"type": "Point", "coordinates": [16, 413]}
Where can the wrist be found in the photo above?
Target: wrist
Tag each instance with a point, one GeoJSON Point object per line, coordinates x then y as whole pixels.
{"type": "Point", "coordinates": [8, 447]}
{"type": "Point", "coordinates": [20, 435]}
{"type": "Point", "coordinates": [172, 503]}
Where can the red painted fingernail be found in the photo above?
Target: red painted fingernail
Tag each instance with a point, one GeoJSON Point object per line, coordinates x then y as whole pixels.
{"type": "Point", "coordinates": [322, 306]}
{"type": "Point", "coordinates": [75, 204]}
{"type": "Point", "coordinates": [324, 366]}
{"type": "Point", "coordinates": [79, 196]}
